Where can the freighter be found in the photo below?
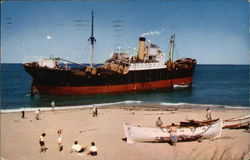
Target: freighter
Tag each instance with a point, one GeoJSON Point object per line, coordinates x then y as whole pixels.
{"type": "Point", "coordinates": [147, 70]}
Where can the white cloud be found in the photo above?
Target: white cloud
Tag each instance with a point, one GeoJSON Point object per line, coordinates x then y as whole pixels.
{"type": "Point", "coordinates": [49, 37]}
{"type": "Point", "coordinates": [151, 33]}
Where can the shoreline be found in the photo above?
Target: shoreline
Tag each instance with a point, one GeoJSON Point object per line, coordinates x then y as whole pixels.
{"type": "Point", "coordinates": [129, 104]}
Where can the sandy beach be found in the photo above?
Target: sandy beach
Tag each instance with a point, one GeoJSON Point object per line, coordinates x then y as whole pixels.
{"type": "Point", "coordinates": [20, 137]}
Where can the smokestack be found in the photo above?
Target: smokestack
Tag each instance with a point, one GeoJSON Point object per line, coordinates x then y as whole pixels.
{"type": "Point", "coordinates": [141, 52]}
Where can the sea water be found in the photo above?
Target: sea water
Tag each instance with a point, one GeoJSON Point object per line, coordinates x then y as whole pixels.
{"type": "Point", "coordinates": [223, 85]}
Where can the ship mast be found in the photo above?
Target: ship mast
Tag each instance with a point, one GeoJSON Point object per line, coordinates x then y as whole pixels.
{"type": "Point", "coordinates": [171, 48]}
{"type": "Point", "coordinates": [92, 40]}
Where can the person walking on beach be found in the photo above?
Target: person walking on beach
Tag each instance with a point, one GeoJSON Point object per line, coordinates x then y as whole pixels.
{"type": "Point", "coordinates": [23, 114]}
{"type": "Point", "coordinates": [95, 112]}
{"type": "Point", "coordinates": [158, 122]}
{"type": "Point", "coordinates": [59, 140]}
{"type": "Point", "coordinates": [172, 131]}
{"type": "Point", "coordinates": [208, 116]}
{"type": "Point", "coordinates": [37, 113]}
{"type": "Point", "coordinates": [53, 105]}
{"type": "Point", "coordinates": [92, 149]}
{"type": "Point", "coordinates": [77, 148]}
{"type": "Point", "coordinates": [42, 143]}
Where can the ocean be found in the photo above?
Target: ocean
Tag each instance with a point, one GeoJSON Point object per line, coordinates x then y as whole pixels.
{"type": "Point", "coordinates": [215, 85]}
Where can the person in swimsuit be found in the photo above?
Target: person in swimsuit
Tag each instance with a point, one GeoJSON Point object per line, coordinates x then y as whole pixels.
{"type": "Point", "coordinates": [59, 140]}
{"type": "Point", "coordinates": [37, 113]}
{"type": "Point", "coordinates": [208, 116]}
{"type": "Point", "coordinates": [53, 105]}
{"type": "Point", "coordinates": [172, 131]}
{"type": "Point", "coordinates": [42, 143]}
{"type": "Point", "coordinates": [95, 112]}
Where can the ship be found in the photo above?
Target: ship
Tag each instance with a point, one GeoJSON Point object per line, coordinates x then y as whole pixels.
{"type": "Point", "coordinates": [147, 69]}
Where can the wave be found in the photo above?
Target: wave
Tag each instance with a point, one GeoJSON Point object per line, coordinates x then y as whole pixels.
{"type": "Point", "coordinates": [68, 107]}
{"type": "Point", "coordinates": [237, 107]}
{"type": "Point", "coordinates": [181, 105]}
{"type": "Point", "coordinates": [192, 105]}
{"type": "Point", "coordinates": [172, 104]}
{"type": "Point", "coordinates": [226, 106]}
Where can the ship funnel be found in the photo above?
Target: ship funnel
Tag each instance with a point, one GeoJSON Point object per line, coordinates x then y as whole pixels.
{"type": "Point", "coordinates": [141, 52]}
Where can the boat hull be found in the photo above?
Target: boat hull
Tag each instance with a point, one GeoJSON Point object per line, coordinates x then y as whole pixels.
{"type": "Point", "coordinates": [147, 134]}
{"type": "Point", "coordinates": [239, 122]}
{"type": "Point", "coordinates": [68, 90]}
{"type": "Point", "coordinates": [66, 82]}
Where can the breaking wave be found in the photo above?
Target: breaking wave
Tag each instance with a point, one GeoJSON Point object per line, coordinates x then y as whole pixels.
{"type": "Point", "coordinates": [181, 105]}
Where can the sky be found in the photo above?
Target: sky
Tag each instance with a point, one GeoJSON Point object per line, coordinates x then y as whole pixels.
{"type": "Point", "coordinates": [211, 31]}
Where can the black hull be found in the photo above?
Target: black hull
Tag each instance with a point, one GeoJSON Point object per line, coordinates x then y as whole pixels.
{"type": "Point", "coordinates": [63, 77]}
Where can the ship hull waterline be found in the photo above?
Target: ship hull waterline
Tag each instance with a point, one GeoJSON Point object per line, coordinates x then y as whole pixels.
{"type": "Point", "coordinates": [81, 90]}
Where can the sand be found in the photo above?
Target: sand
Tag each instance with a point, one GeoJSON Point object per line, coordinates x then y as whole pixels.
{"type": "Point", "coordinates": [20, 137]}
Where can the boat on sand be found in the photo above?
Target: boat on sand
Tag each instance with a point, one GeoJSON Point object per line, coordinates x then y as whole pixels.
{"type": "Point", "coordinates": [161, 134]}
{"type": "Point", "coordinates": [195, 123]}
{"type": "Point", "coordinates": [237, 122]}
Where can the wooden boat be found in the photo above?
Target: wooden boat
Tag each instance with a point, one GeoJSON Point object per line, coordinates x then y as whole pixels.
{"type": "Point", "coordinates": [195, 123]}
{"type": "Point", "coordinates": [238, 122]}
{"type": "Point", "coordinates": [153, 134]}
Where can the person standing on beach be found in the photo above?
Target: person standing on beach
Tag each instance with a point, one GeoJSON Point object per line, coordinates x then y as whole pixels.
{"type": "Point", "coordinates": [23, 114]}
{"type": "Point", "coordinates": [59, 140]}
{"type": "Point", "coordinates": [37, 113]}
{"type": "Point", "coordinates": [92, 149]}
{"type": "Point", "coordinates": [42, 143]}
{"type": "Point", "coordinates": [95, 112]}
{"type": "Point", "coordinates": [172, 131]}
{"type": "Point", "coordinates": [158, 122]}
{"type": "Point", "coordinates": [208, 116]}
{"type": "Point", "coordinates": [53, 105]}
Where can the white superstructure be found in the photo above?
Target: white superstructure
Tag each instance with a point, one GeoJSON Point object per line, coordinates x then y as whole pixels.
{"type": "Point", "coordinates": [50, 63]}
{"type": "Point", "coordinates": [146, 66]}
{"type": "Point", "coordinates": [149, 57]}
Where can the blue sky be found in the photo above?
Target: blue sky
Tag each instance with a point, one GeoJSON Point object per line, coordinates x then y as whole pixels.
{"type": "Point", "coordinates": [213, 32]}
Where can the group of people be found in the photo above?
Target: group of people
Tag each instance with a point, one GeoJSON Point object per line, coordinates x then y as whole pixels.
{"type": "Point", "coordinates": [75, 147]}
{"type": "Point", "coordinates": [79, 148]}
{"type": "Point", "coordinates": [173, 129]}
{"type": "Point", "coordinates": [38, 111]}
{"type": "Point", "coordinates": [59, 141]}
